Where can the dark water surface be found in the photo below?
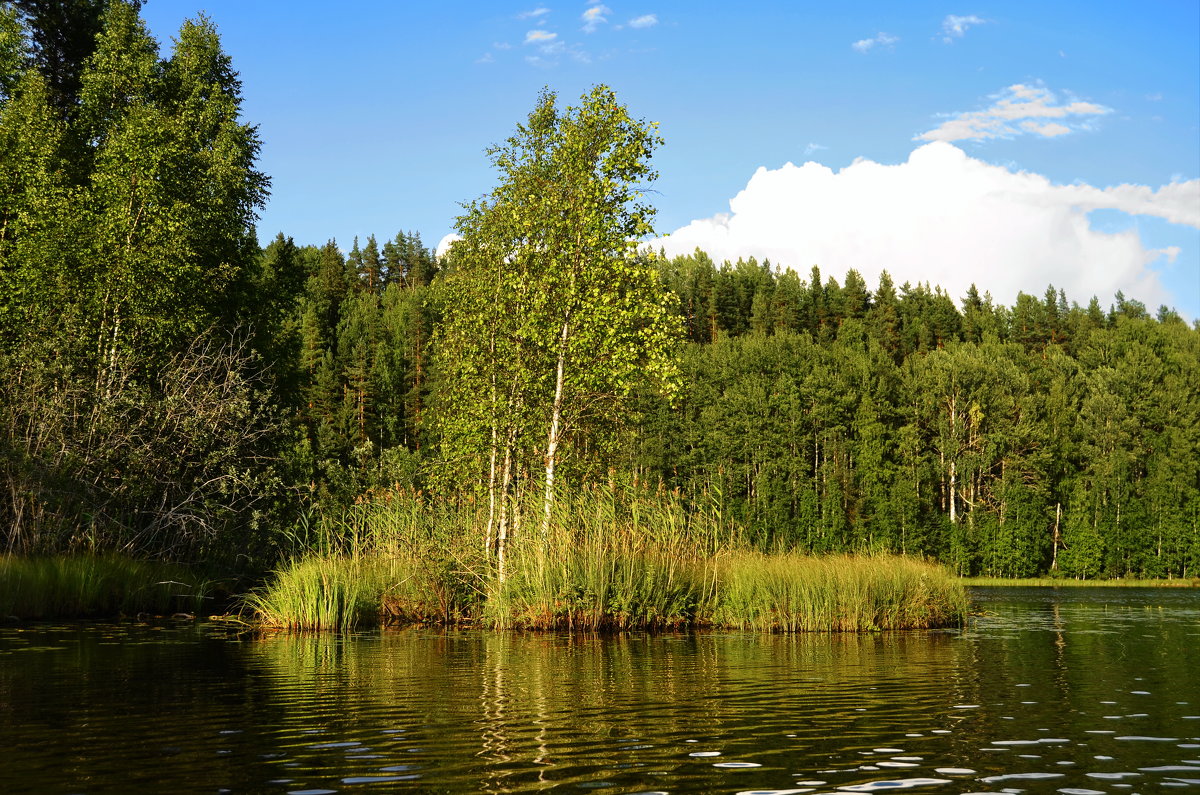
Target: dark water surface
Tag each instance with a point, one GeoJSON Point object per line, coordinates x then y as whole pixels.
{"type": "Point", "coordinates": [1072, 691]}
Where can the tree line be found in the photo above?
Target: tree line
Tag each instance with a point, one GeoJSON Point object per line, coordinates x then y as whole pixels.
{"type": "Point", "coordinates": [169, 387]}
{"type": "Point", "coordinates": [1007, 441]}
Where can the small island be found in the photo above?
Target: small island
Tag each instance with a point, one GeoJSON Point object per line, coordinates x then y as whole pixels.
{"type": "Point", "coordinates": [549, 424]}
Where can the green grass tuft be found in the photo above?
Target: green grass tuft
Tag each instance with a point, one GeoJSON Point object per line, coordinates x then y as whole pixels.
{"type": "Point", "coordinates": [790, 592]}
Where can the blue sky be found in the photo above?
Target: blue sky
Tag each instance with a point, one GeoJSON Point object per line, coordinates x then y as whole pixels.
{"type": "Point", "coordinates": [1011, 144]}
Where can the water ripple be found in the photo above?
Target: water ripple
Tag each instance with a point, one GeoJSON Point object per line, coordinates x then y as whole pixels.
{"type": "Point", "coordinates": [723, 712]}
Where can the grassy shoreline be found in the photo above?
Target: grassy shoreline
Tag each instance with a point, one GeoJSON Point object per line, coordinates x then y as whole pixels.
{"type": "Point", "coordinates": [744, 590]}
{"type": "Point", "coordinates": [609, 561]}
{"type": "Point", "coordinates": [96, 586]}
{"type": "Point", "coordinates": [1065, 582]}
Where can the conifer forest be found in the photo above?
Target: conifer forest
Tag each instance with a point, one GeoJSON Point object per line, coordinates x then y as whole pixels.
{"type": "Point", "coordinates": [170, 388]}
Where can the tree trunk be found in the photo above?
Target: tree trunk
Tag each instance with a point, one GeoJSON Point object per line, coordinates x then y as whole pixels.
{"type": "Point", "coordinates": [1057, 536]}
{"type": "Point", "coordinates": [488, 539]}
{"type": "Point", "coordinates": [555, 426]}
{"type": "Point", "coordinates": [505, 487]}
{"type": "Point", "coordinates": [953, 488]}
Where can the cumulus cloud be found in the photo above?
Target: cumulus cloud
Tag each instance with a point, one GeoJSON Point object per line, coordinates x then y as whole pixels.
{"type": "Point", "coordinates": [881, 39]}
{"type": "Point", "coordinates": [444, 244]}
{"type": "Point", "coordinates": [948, 219]}
{"type": "Point", "coordinates": [644, 21]}
{"type": "Point", "coordinates": [954, 27]}
{"type": "Point", "coordinates": [1016, 110]}
{"type": "Point", "coordinates": [594, 17]}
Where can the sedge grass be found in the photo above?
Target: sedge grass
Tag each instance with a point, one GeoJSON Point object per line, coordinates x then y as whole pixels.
{"type": "Point", "coordinates": [649, 565]}
{"type": "Point", "coordinates": [607, 561]}
{"type": "Point", "coordinates": [598, 582]}
{"type": "Point", "coordinates": [790, 592]}
{"type": "Point", "coordinates": [342, 593]}
{"type": "Point", "coordinates": [94, 586]}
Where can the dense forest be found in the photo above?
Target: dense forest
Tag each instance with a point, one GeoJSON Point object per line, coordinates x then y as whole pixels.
{"type": "Point", "coordinates": [168, 387]}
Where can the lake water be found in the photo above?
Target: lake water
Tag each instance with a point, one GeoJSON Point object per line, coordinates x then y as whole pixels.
{"type": "Point", "coordinates": [1072, 691]}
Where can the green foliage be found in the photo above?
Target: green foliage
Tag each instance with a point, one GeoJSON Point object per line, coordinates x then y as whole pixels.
{"type": "Point", "coordinates": [1070, 582]}
{"type": "Point", "coordinates": [167, 388]}
{"type": "Point", "coordinates": [358, 365]}
{"type": "Point", "coordinates": [12, 49]}
{"type": "Point", "coordinates": [162, 467]}
{"type": "Point", "coordinates": [135, 406]}
{"type": "Point", "coordinates": [552, 319]}
{"type": "Point", "coordinates": [62, 37]}
{"type": "Point", "coordinates": [1004, 442]}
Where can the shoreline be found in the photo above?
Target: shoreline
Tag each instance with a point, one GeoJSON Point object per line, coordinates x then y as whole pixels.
{"type": "Point", "coordinates": [1055, 582]}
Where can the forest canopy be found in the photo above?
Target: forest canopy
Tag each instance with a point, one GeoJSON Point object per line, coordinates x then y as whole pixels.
{"type": "Point", "coordinates": [168, 387]}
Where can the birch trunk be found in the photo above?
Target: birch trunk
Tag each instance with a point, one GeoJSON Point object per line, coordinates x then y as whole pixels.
{"type": "Point", "coordinates": [555, 426]}
{"type": "Point", "coordinates": [502, 532]}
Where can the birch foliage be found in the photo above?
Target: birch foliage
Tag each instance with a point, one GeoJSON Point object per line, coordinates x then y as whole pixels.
{"type": "Point", "coordinates": [552, 318]}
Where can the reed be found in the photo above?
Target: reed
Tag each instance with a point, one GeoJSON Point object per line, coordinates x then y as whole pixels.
{"type": "Point", "coordinates": [320, 592]}
{"type": "Point", "coordinates": [646, 564]}
{"type": "Point", "coordinates": [609, 560]}
{"type": "Point", "coordinates": [93, 586]}
{"type": "Point", "coordinates": [594, 581]}
{"type": "Point", "coordinates": [790, 592]}
{"type": "Point", "coordinates": [342, 593]}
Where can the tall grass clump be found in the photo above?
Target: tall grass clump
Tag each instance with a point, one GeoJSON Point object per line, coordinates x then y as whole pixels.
{"type": "Point", "coordinates": [789, 592]}
{"type": "Point", "coordinates": [595, 582]}
{"type": "Point", "coordinates": [380, 562]}
{"type": "Point", "coordinates": [647, 563]}
{"type": "Point", "coordinates": [607, 562]}
{"type": "Point", "coordinates": [609, 559]}
{"type": "Point", "coordinates": [95, 586]}
{"type": "Point", "coordinates": [321, 592]}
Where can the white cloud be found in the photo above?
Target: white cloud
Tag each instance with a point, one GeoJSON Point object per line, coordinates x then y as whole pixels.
{"type": "Point", "coordinates": [539, 36]}
{"type": "Point", "coordinates": [594, 17]}
{"type": "Point", "coordinates": [534, 14]}
{"type": "Point", "coordinates": [444, 244]}
{"type": "Point", "coordinates": [1013, 113]}
{"type": "Point", "coordinates": [880, 40]}
{"type": "Point", "coordinates": [949, 219]}
{"type": "Point", "coordinates": [1050, 129]}
{"type": "Point", "coordinates": [953, 26]}
{"type": "Point", "coordinates": [808, 150]}
{"type": "Point", "coordinates": [487, 57]}
{"type": "Point", "coordinates": [502, 45]}
{"type": "Point", "coordinates": [644, 21]}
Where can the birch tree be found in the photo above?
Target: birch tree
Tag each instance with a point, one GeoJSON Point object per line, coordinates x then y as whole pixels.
{"type": "Point", "coordinates": [552, 316]}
